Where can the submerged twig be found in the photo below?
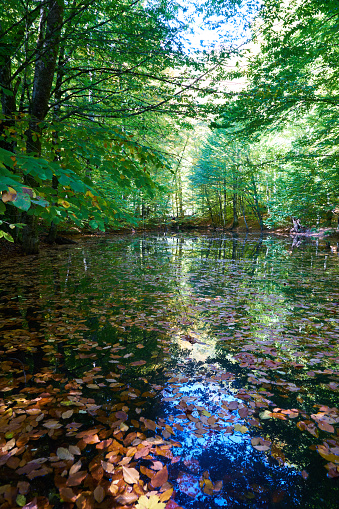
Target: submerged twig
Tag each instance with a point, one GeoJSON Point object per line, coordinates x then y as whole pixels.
{"type": "Point", "coordinates": [23, 366]}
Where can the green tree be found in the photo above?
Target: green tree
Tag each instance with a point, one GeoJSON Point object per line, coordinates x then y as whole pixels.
{"type": "Point", "coordinates": [292, 90]}
{"type": "Point", "coordinates": [226, 174]}
{"type": "Point", "coordinates": [74, 79]}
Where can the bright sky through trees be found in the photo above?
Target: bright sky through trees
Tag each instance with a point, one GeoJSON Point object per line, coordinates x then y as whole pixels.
{"type": "Point", "coordinates": [211, 31]}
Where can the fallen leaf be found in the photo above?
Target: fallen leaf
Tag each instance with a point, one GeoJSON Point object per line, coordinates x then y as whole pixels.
{"type": "Point", "coordinates": [21, 500]}
{"type": "Point", "coordinates": [67, 414]}
{"type": "Point", "coordinates": [74, 449]}
{"type": "Point", "coordinates": [131, 475]}
{"type": "Point", "coordinates": [324, 426]}
{"type": "Point", "coordinates": [52, 424]}
{"type": "Point", "coordinates": [166, 495]}
{"type": "Point", "coordinates": [75, 468]}
{"type": "Point", "coordinates": [64, 454]}
{"type": "Point", "coordinates": [242, 429]}
{"type": "Point", "coordinates": [113, 489]}
{"type": "Point", "coordinates": [23, 487]}
{"type": "Point", "coordinates": [153, 502]}
{"type": "Point", "coordinates": [127, 498]}
{"type": "Point", "coordinates": [160, 478]}
{"type": "Point", "coordinates": [67, 494]}
{"type": "Point", "coordinates": [76, 479]}
{"type": "Point", "coordinates": [99, 494]}
{"type": "Point", "coordinates": [266, 415]}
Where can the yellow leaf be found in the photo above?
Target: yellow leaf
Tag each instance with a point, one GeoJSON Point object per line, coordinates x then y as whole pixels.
{"type": "Point", "coordinates": [242, 429]}
{"type": "Point", "coordinates": [113, 489]}
{"type": "Point", "coordinates": [64, 203]}
{"type": "Point", "coordinates": [265, 415]}
{"type": "Point", "coordinates": [166, 495]}
{"type": "Point", "coordinates": [21, 500]}
{"type": "Point", "coordinates": [9, 195]}
{"type": "Point", "coordinates": [153, 502]}
{"type": "Point", "coordinates": [95, 203]}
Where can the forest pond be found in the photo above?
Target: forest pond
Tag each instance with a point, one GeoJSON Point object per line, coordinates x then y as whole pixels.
{"type": "Point", "coordinates": [199, 369]}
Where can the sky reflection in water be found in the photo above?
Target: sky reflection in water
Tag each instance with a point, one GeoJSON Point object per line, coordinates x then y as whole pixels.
{"type": "Point", "coordinates": [229, 330]}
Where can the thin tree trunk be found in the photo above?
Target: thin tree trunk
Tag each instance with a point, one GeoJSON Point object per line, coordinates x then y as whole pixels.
{"type": "Point", "coordinates": [222, 220]}
{"type": "Point", "coordinates": [235, 212]}
{"type": "Point", "coordinates": [210, 208]}
{"type": "Point", "coordinates": [235, 202]}
{"type": "Point", "coordinates": [225, 204]}
{"type": "Point", "coordinates": [243, 213]}
{"type": "Point", "coordinates": [257, 206]}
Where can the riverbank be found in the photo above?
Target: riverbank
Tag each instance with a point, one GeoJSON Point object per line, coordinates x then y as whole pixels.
{"type": "Point", "coordinates": [329, 237]}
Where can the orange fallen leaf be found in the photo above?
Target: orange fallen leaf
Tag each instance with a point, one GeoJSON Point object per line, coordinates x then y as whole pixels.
{"type": "Point", "coordinates": [147, 471]}
{"type": "Point", "coordinates": [160, 478]}
{"type": "Point", "coordinates": [67, 494]}
{"type": "Point", "coordinates": [166, 495]}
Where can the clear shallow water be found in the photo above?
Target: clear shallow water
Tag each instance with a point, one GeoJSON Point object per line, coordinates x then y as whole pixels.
{"type": "Point", "coordinates": [229, 345]}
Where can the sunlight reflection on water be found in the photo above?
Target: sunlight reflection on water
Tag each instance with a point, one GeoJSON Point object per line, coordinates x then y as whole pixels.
{"type": "Point", "coordinates": [223, 332]}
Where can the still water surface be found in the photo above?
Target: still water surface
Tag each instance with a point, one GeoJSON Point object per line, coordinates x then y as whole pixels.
{"type": "Point", "coordinates": [230, 345]}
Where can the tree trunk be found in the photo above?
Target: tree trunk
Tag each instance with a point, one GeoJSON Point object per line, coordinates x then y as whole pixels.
{"type": "Point", "coordinates": [209, 206]}
{"type": "Point", "coordinates": [48, 48]}
{"type": "Point", "coordinates": [225, 203]}
{"type": "Point", "coordinates": [222, 220]}
{"type": "Point", "coordinates": [53, 229]}
{"type": "Point", "coordinates": [8, 105]}
{"type": "Point", "coordinates": [235, 202]}
{"type": "Point", "coordinates": [235, 212]}
{"type": "Point", "coordinates": [257, 206]}
{"type": "Point", "coordinates": [52, 233]}
{"type": "Point", "coordinates": [243, 213]}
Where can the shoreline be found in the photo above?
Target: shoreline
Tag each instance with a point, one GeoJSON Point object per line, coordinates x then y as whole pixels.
{"type": "Point", "coordinates": [328, 234]}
